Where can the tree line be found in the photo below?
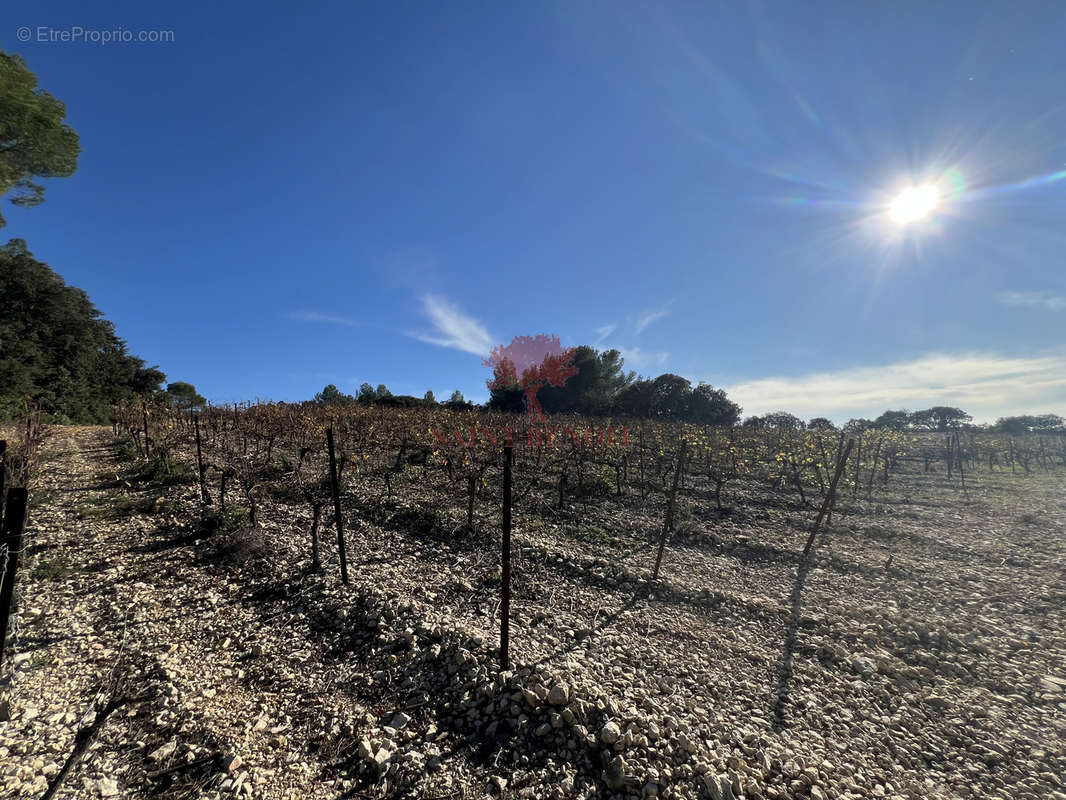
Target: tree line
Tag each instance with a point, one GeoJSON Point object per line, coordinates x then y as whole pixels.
{"type": "Point", "coordinates": [58, 355]}
{"type": "Point", "coordinates": [600, 387]}
{"type": "Point", "coordinates": [942, 419]}
{"type": "Point", "coordinates": [938, 419]}
{"type": "Point", "coordinates": [368, 395]}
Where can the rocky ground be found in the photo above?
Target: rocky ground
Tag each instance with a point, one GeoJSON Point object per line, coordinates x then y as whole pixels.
{"type": "Point", "coordinates": [923, 655]}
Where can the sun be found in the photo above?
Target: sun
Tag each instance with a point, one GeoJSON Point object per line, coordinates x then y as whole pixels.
{"type": "Point", "coordinates": [914, 204]}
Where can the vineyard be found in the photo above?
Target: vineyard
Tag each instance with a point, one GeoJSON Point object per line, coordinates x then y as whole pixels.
{"type": "Point", "coordinates": [453, 603]}
{"type": "Point", "coordinates": [443, 461]}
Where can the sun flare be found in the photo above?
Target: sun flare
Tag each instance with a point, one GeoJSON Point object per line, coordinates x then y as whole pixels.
{"type": "Point", "coordinates": [915, 203]}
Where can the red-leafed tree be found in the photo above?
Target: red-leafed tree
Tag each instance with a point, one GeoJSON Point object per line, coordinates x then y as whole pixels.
{"type": "Point", "coordinates": [529, 363]}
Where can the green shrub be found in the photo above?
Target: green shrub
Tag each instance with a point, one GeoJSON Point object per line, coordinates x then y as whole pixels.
{"type": "Point", "coordinates": [598, 481]}
{"type": "Point", "coordinates": [56, 419]}
{"type": "Point", "coordinates": [54, 569]}
{"type": "Point", "coordinates": [111, 506]}
{"type": "Point", "coordinates": [126, 449]}
{"type": "Point", "coordinates": [163, 470]}
{"type": "Point", "coordinates": [592, 534]}
{"type": "Point", "coordinates": [224, 521]}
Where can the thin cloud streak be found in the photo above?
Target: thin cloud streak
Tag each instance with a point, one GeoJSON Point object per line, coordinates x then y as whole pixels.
{"type": "Point", "coordinates": [453, 328]}
{"type": "Point", "coordinates": [986, 385]}
{"type": "Point", "coordinates": [1046, 300]}
{"type": "Point", "coordinates": [603, 332]}
{"type": "Point", "coordinates": [332, 319]}
{"type": "Point", "coordinates": [648, 318]}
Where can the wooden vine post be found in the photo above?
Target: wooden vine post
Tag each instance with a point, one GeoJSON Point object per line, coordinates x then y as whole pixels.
{"type": "Point", "coordinates": [873, 469]}
{"type": "Point", "coordinates": [829, 497]}
{"type": "Point", "coordinates": [3, 466]}
{"type": "Point", "coordinates": [840, 452]}
{"type": "Point", "coordinates": [471, 493]}
{"type": "Point", "coordinates": [858, 464]}
{"type": "Point", "coordinates": [334, 488]}
{"type": "Point", "coordinates": [668, 523]}
{"type": "Point", "coordinates": [205, 498]}
{"type": "Point", "coordinates": [959, 454]}
{"type": "Point", "coordinates": [11, 541]}
{"type": "Point", "coordinates": [505, 560]}
{"type": "Point", "coordinates": [144, 418]}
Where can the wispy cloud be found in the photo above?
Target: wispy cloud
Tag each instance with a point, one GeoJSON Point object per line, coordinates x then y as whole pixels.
{"type": "Point", "coordinates": [604, 331]}
{"type": "Point", "coordinates": [635, 357]}
{"type": "Point", "coordinates": [453, 328]}
{"type": "Point", "coordinates": [986, 385]}
{"type": "Point", "coordinates": [646, 319]}
{"type": "Point", "coordinates": [1052, 302]}
{"type": "Point", "coordinates": [332, 319]}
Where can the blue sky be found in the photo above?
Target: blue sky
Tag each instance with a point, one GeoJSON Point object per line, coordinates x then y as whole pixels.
{"type": "Point", "coordinates": [278, 199]}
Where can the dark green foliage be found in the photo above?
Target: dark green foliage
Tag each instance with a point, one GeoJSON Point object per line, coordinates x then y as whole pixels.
{"type": "Point", "coordinates": [401, 401]}
{"type": "Point", "coordinates": [602, 387]}
{"type": "Point", "coordinates": [183, 397]}
{"type": "Point", "coordinates": [34, 141]}
{"type": "Point", "coordinates": [508, 399]}
{"type": "Point", "coordinates": [126, 449]}
{"type": "Point", "coordinates": [1018, 426]}
{"type": "Point", "coordinates": [777, 420]}
{"type": "Point", "coordinates": [671, 397]}
{"type": "Point", "coordinates": [783, 421]}
{"type": "Point", "coordinates": [593, 389]}
{"type": "Point", "coordinates": [820, 424]}
{"type": "Point", "coordinates": [894, 420]}
{"type": "Point", "coordinates": [857, 425]}
{"type": "Point", "coordinates": [368, 394]}
{"type": "Point", "coordinates": [332, 396]}
{"type": "Point", "coordinates": [635, 400]}
{"type": "Point", "coordinates": [456, 402]}
{"type": "Point", "coordinates": [711, 406]}
{"type": "Point", "coordinates": [939, 418]}
{"type": "Point", "coordinates": [56, 350]}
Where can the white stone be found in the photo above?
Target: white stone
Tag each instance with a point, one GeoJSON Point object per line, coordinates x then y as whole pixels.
{"type": "Point", "coordinates": [610, 733]}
